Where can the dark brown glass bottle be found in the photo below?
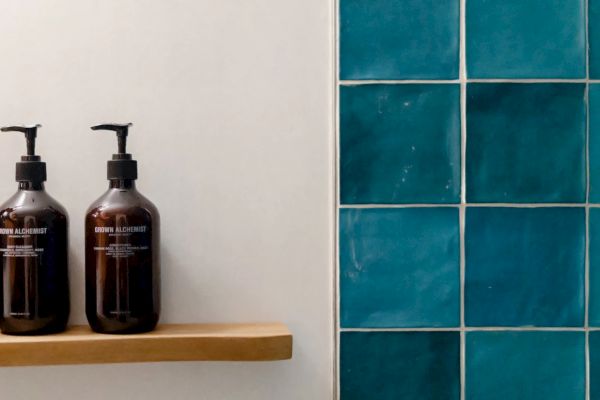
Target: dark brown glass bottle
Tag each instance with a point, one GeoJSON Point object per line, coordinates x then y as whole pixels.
{"type": "Point", "coordinates": [122, 258]}
{"type": "Point", "coordinates": [34, 246]}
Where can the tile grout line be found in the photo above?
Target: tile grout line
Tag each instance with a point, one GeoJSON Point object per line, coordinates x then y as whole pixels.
{"type": "Point", "coordinates": [463, 204]}
{"type": "Point", "coordinates": [479, 329]}
{"type": "Point", "coordinates": [336, 278]}
{"type": "Point", "coordinates": [587, 301]}
{"type": "Point", "coordinates": [587, 205]}
{"type": "Point", "coordinates": [462, 329]}
{"type": "Point", "coordinates": [458, 81]}
{"type": "Point", "coordinates": [462, 70]}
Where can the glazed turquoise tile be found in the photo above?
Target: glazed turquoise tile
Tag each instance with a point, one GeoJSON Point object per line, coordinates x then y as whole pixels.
{"type": "Point", "coordinates": [524, 266]}
{"type": "Point", "coordinates": [594, 104]}
{"type": "Point", "coordinates": [525, 39]}
{"type": "Point", "coordinates": [595, 365]}
{"type": "Point", "coordinates": [541, 365]}
{"type": "Point", "coordinates": [399, 267]}
{"type": "Point", "coordinates": [400, 144]}
{"type": "Point", "coordinates": [399, 39]}
{"type": "Point", "coordinates": [399, 365]}
{"type": "Point", "coordinates": [594, 260]}
{"type": "Point", "coordinates": [594, 38]}
{"type": "Point", "coordinates": [526, 143]}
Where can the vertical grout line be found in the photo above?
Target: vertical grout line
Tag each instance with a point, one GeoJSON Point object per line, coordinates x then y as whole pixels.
{"type": "Point", "coordinates": [587, 203]}
{"type": "Point", "coordinates": [463, 105]}
{"type": "Point", "coordinates": [462, 212]}
{"type": "Point", "coordinates": [463, 186]}
{"type": "Point", "coordinates": [336, 160]}
{"type": "Point", "coordinates": [587, 286]}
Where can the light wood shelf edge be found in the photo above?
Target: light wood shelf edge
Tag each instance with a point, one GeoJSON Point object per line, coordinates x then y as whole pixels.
{"type": "Point", "coordinates": [169, 342]}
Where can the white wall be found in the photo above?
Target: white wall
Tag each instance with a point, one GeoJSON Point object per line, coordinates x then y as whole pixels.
{"type": "Point", "coordinates": [231, 102]}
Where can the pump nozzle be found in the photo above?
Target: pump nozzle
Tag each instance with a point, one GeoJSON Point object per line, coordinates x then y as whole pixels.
{"type": "Point", "coordinates": [30, 168]}
{"type": "Point", "coordinates": [30, 132]}
{"type": "Point", "coordinates": [122, 131]}
{"type": "Point", "coordinates": [122, 166]}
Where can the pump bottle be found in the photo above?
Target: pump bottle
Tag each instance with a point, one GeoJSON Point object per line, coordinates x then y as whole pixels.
{"type": "Point", "coordinates": [34, 247]}
{"type": "Point", "coordinates": [122, 250]}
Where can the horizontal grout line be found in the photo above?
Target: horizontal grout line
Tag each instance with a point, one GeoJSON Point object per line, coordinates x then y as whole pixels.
{"type": "Point", "coordinates": [457, 81]}
{"type": "Point", "coordinates": [398, 82]}
{"type": "Point", "coordinates": [397, 205]}
{"type": "Point", "coordinates": [456, 329]}
{"type": "Point", "coordinates": [528, 80]}
{"type": "Point", "coordinates": [430, 205]}
{"type": "Point", "coordinates": [475, 329]}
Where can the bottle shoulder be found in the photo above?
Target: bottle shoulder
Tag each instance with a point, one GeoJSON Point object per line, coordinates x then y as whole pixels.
{"type": "Point", "coordinates": [32, 203]}
{"type": "Point", "coordinates": [122, 201]}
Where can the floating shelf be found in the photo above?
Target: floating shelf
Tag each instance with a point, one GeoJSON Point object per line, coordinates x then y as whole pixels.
{"type": "Point", "coordinates": [178, 342]}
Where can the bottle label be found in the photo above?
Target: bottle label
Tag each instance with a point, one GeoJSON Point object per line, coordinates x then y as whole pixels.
{"type": "Point", "coordinates": [20, 242]}
{"type": "Point", "coordinates": [123, 240]}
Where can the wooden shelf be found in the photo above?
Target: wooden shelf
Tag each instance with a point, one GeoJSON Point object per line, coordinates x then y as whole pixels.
{"type": "Point", "coordinates": [185, 342]}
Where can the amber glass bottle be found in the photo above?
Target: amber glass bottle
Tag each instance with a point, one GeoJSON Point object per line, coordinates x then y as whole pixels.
{"type": "Point", "coordinates": [34, 247]}
{"type": "Point", "coordinates": [122, 251]}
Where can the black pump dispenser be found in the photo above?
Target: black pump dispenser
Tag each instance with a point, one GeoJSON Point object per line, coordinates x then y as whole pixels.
{"type": "Point", "coordinates": [30, 168]}
{"type": "Point", "coordinates": [122, 166]}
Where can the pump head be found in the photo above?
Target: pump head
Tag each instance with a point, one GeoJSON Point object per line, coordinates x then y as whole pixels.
{"type": "Point", "coordinates": [122, 166]}
{"type": "Point", "coordinates": [30, 168]}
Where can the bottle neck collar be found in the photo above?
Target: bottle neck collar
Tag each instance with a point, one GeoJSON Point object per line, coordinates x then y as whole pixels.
{"type": "Point", "coordinates": [28, 185]}
{"type": "Point", "coordinates": [121, 184]}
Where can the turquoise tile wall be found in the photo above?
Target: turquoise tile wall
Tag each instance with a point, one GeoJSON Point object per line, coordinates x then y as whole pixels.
{"type": "Point", "coordinates": [594, 260]}
{"type": "Point", "coordinates": [377, 37]}
{"type": "Point", "coordinates": [525, 38]}
{"type": "Point", "coordinates": [411, 365]}
{"type": "Point", "coordinates": [594, 141]}
{"type": "Point", "coordinates": [392, 151]}
{"type": "Point", "coordinates": [533, 365]}
{"type": "Point", "coordinates": [392, 277]}
{"type": "Point", "coordinates": [525, 266]}
{"type": "Point", "coordinates": [594, 349]}
{"type": "Point", "coordinates": [594, 38]}
{"type": "Point", "coordinates": [468, 262]}
{"type": "Point", "coordinates": [518, 133]}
